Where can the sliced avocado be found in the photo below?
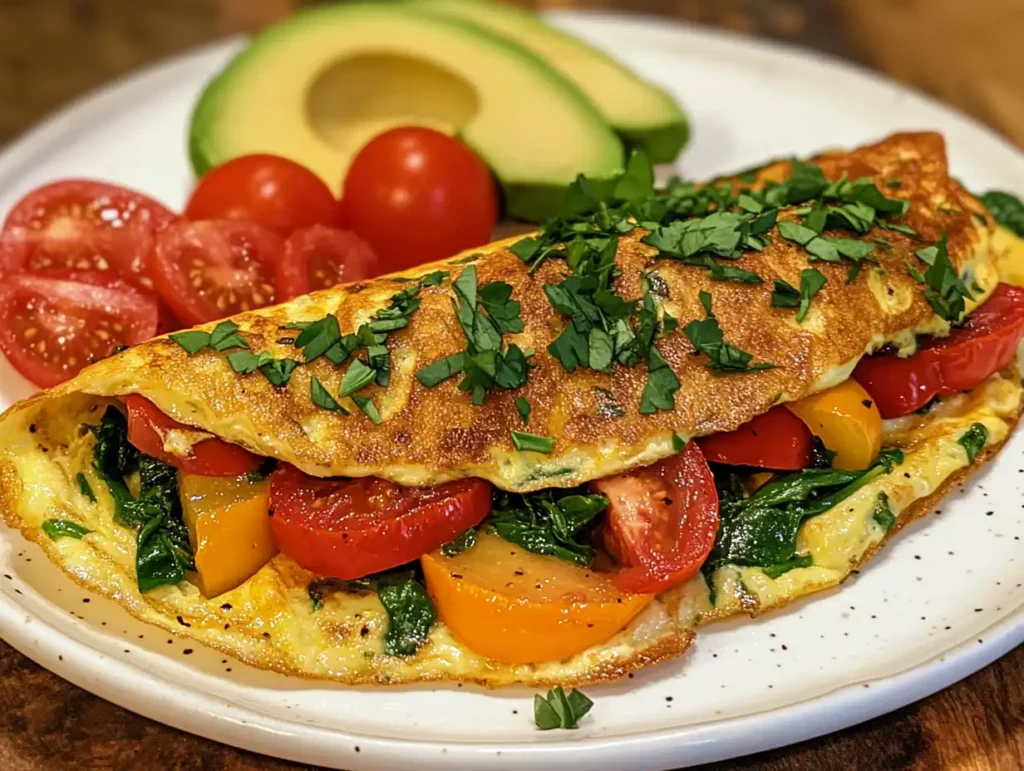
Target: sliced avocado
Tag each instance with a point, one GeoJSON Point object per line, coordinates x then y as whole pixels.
{"type": "Point", "coordinates": [644, 115]}
{"type": "Point", "coordinates": [319, 85]}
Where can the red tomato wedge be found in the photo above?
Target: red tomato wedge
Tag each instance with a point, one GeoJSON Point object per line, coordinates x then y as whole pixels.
{"type": "Point", "coordinates": [349, 528]}
{"type": "Point", "coordinates": [268, 189]}
{"type": "Point", "coordinates": [985, 344]}
{"type": "Point", "coordinates": [82, 225]}
{"type": "Point", "coordinates": [778, 439]}
{"type": "Point", "coordinates": [51, 326]}
{"type": "Point", "coordinates": [215, 268]}
{"type": "Point", "coordinates": [319, 258]}
{"type": "Point", "coordinates": [662, 521]}
{"type": "Point", "coordinates": [212, 457]}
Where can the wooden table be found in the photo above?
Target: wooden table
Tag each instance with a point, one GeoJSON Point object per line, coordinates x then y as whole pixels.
{"type": "Point", "coordinates": [967, 53]}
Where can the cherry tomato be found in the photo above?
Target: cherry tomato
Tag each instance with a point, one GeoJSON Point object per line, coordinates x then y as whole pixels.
{"type": "Point", "coordinates": [52, 326]}
{"type": "Point", "coordinates": [985, 344]}
{"type": "Point", "coordinates": [662, 521]}
{"type": "Point", "coordinates": [215, 268]}
{"type": "Point", "coordinates": [147, 431]}
{"type": "Point", "coordinates": [778, 439]}
{"type": "Point", "coordinates": [417, 196]}
{"type": "Point", "coordinates": [349, 528]}
{"type": "Point", "coordinates": [273, 191]}
{"type": "Point", "coordinates": [82, 225]}
{"type": "Point", "coordinates": [319, 258]}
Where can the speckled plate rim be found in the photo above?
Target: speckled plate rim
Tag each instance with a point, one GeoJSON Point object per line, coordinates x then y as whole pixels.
{"type": "Point", "coordinates": [224, 721]}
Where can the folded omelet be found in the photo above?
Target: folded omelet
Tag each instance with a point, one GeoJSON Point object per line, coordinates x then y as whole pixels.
{"type": "Point", "coordinates": [416, 435]}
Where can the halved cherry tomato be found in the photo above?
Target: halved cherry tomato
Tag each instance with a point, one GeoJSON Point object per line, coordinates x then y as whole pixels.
{"type": "Point", "coordinates": [51, 326]}
{"type": "Point", "coordinates": [778, 439]}
{"type": "Point", "coordinates": [985, 344]}
{"type": "Point", "coordinates": [149, 431]}
{"type": "Point", "coordinates": [82, 225]}
{"type": "Point", "coordinates": [319, 258]}
{"type": "Point", "coordinates": [417, 195]}
{"type": "Point", "coordinates": [273, 191]}
{"type": "Point", "coordinates": [349, 528]}
{"type": "Point", "coordinates": [662, 521]}
{"type": "Point", "coordinates": [846, 419]}
{"type": "Point", "coordinates": [215, 268]}
{"type": "Point", "coordinates": [517, 607]}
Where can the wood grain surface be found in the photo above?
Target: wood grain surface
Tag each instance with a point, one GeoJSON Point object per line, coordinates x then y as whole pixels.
{"type": "Point", "coordinates": [968, 53]}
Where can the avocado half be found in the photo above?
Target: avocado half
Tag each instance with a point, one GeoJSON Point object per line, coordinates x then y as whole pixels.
{"type": "Point", "coordinates": [645, 116]}
{"type": "Point", "coordinates": [319, 85]}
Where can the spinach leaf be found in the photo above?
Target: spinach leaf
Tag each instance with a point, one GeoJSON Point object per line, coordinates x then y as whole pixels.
{"type": "Point", "coordinates": [800, 561]}
{"type": "Point", "coordinates": [163, 549]}
{"type": "Point", "coordinates": [1007, 210]}
{"type": "Point", "coordinates": [973, 440]}
{"type": "Point", "coordinates": [410, 612]}
{"type": "Point", "coordinates": [84, 488]}
{"type": "Point", "coordinates": [64, 528]}
{"type": "Point", "coordinates": [465, 540]}
{"type": "Point", "coordinates": [548, 522]}
{"type": "Point", "coordinates": [761, 530]}
{"type": "Point", "coordinates": [882, 513]}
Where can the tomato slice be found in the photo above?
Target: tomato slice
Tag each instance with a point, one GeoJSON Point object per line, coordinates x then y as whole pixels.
{"type": "Point", "coordinates": [215, 268]}
{"type": "Point", "coordinates": [662, 521]}
{"type": "Point", "coordinates": [778, 439]}
{"type": "Point", "coordinates": [985, 344]}
{"type": "Point", "coordinates": [82, 225]}
{"type": "Point", "coordinates": [54, 325]}
{"type": "Point", "coordinates": [319, 258]}
{"type": "Point", "coordinates": [148, 429]}
{"type": "Point", "coordinates": [349, 528]}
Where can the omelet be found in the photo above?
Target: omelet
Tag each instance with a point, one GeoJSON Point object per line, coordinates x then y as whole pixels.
{"type": "Point", "coordinates": [278, 619]}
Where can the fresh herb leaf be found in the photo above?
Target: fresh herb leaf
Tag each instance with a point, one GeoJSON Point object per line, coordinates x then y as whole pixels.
{"type": "Point", "coordinates": [637, 183]}
{"type": "Point", "coordinates": [761, 530]}
{"type": "Point", "coordinates": [558, 710]}
{"type": "Point", "coordinates": [441, 370]}
{"type": "Point", "coordinates": [84, 488]}
{"type": "Point", "coordinates": [225, 335]}
{"type": "Point", "coordinates": [882, 513]}
{"type": "Point", "coordinates": [800, 561]}
{"type": "Point", "coordinates": [719, 272]}
{"type": "Point", "coordinates": [322, 397]}
{"type": "Point", "coordinates": [678, 443]}
{"type": "Point", "coordinates": [267, 466]}
{"type": "Point", "coordinates": [973, 440]}
{"type": "Point", "coordinates": [277, 371]}
{"type": "Point", "coordinates": [64, 528]}
{"type": "Point", "coordinates": [411, 614]}
{"type": "Point", "coordinates": [193, 340]}
{"type": "Point", "coordinates": [811, 282]}
{"type": "Point", "coordinates": [946, 291]}
{"type": "Point", "coordinates": [465, 540]}
{"type": "Point", "coordinates": [358, 376]}
{"type": "Point", "coordinates": [549, 522]}
{"type": "Point", "coordinates": [319, 337]}
{"type": "Point", "coordinates": [1006, 209]}
{"type": "Point", "coordinates": [532, 443]}
{"type": "Point", "coordinates": [365, 403]}
{"type": "Point", "coordinates": [706, 337]}
{"type": "Point", "coordinates": [523, 408]}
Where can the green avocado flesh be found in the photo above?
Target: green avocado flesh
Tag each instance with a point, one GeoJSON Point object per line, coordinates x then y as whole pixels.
{"type": "Point", "coordinates": [644, 115]}
{"type": "Point", "coordinates": [318, 86]}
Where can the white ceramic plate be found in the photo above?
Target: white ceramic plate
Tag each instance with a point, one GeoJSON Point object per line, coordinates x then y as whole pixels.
{"type": "Point", "coordinates": [942, 601]}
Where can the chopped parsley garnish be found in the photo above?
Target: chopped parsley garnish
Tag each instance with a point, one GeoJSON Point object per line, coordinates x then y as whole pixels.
{"type": "Point", "coordinates": [523, 408]}
{"type": "Point", "coordinates": [322, 397]}
{"type": "Point", "coordinates": [64, 528]}
{"type": "Point", "coordinates": [1006, 209]}
{"type": "Point", "coordinates": [223, 337]}
{"type": "Point", "coordinates": [786, 295]}
{"type": "Point", "coordinates": [485, 315]}
{"type": "Point", "coordinates": [560, 710]}
{"type": "Point", "coordinates": [706, 337]}
{"type": "Point", "coordinates": [945, 291]}
{"type": "Point", "coordinates": [365, 403]}
{"type": "Point", "coordinates": [277, 371]}
{"type": "Point", "coordinates": [532, 443]}
{"type": "Point", "coordinates": [549, 522]}
{"type": "Point", "coordinates": [84, 488]}
{"type": "Point", "coordinates": [973, 440]}
{"type": "Point", "coordinates": [465, 540]}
